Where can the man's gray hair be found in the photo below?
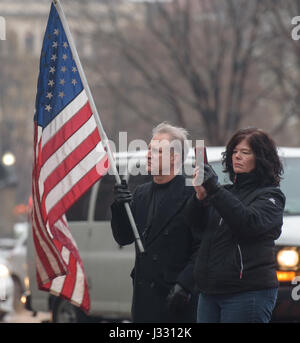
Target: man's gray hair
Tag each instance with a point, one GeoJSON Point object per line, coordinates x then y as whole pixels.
{"type": "Point", "coordinates": [176, 134]}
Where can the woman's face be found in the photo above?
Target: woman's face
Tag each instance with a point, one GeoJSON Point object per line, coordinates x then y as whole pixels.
{"type": "Point", "coordinates": [243, 158]}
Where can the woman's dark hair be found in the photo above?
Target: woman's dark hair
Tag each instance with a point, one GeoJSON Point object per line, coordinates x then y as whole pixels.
{"type": "Point", "coordinates": [268, 167]}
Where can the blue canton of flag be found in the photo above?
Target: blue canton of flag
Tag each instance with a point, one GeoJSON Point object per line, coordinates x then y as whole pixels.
{"type": "Point", "coordinates": [59, 80]}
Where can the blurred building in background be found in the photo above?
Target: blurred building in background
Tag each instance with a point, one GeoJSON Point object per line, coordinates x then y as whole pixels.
{"type": "Point", "coordinates": [26, 23]}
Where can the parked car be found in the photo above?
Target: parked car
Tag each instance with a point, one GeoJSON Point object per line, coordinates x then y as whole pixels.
{"type": "Point", "coordinates": [108, 265]}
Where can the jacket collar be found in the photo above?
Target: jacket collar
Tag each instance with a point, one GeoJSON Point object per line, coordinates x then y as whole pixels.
{"type": "Point", "coordinates": [245, 179]}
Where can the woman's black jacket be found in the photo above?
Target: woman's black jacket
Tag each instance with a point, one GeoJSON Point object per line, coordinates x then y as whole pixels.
{"type": "Point", "coordinates": [238, 225]}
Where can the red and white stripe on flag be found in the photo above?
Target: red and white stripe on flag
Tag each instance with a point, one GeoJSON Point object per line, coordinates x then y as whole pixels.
{"type": "Point", "coordinates": [68, 159]}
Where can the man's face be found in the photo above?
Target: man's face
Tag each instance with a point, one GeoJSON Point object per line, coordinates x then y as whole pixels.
{"type": "Point", "coordinates": [160, 155]}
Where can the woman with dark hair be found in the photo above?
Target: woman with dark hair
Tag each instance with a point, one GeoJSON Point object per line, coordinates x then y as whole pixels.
{"type": "Point", "coordinates": [235, 269]}
{"type": "Point", "coordinates": [268, 165]}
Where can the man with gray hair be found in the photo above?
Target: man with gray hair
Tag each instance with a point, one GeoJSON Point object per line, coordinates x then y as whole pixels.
{"type": "Point", "coordinates": [163, 280]}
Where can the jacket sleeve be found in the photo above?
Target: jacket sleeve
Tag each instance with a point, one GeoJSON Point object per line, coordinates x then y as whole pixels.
{"type": "Point", "coordinates": [194, 216]}
{"type": "Point", "coordinates": [120, 224]}
{"type": "Point", "coordinates": [186, 276]}
{"type": "Point", "coordinates": [263, 215]}
{"type": "Point", "coordinates": [195, 212]}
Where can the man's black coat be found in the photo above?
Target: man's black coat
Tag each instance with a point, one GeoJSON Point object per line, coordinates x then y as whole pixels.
{"type": "Point", "coordinates": [170, 248]}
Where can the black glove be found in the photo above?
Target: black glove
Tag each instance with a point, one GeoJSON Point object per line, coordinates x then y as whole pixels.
{"type": "Point", "coordinates": [178, 298]}
{"type": "Point", "coordinates": [210, 182]}
{"type": "Point", "coordinates": [122, 193]}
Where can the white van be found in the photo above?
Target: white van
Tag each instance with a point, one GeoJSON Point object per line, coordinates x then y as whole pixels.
{"type": "Point", "coordinates": [108, 265]}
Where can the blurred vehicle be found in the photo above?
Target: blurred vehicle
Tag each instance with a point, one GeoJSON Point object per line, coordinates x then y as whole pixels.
{"type": "Point", "coordinates": [108, 265]}
{"type": "Point", "coordinates": [17, 264]}
{"type": "Point", "coordinates": [6, 246]}
{"type": "Point", "coordinates": [288, 244]}
{"type": "Point", "coordinates": [6, 289]}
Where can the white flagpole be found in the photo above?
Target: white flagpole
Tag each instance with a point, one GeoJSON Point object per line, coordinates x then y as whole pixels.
{"type": "Point", "coordinates": [103, 136]}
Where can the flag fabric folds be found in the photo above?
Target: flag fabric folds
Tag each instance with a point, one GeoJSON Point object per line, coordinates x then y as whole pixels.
{"type": "Point", "coordinates": [68, 159]}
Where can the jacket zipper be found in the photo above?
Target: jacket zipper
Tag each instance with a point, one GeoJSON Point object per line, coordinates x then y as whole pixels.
{"type": "Point", "coordinates": [241, 261]}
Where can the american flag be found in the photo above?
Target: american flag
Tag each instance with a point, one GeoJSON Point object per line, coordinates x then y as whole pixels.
{"type": "Point", "coordinates": [68, 159]}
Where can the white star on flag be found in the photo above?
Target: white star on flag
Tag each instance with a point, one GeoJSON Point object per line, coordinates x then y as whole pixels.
{"type": "Point", "coordinates": [48, 108]}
